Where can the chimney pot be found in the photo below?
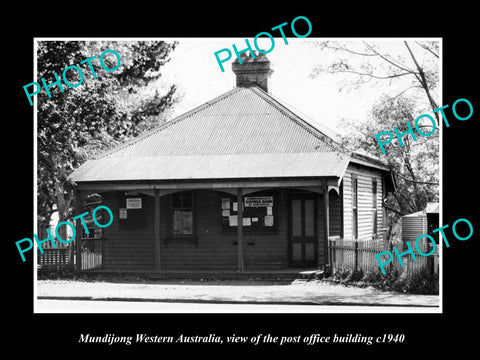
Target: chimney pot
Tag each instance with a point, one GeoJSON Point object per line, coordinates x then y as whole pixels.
{"type": "Point", "coordinates": [255, 71]}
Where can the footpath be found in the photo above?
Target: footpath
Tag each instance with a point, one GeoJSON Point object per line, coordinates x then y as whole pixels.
{"type": "Point", "coordinates": [299, 292]}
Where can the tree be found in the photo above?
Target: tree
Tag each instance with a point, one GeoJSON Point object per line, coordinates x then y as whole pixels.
{"type": "Point", "coordinates": [371, 64]}
{"type": "Point", "coordinates": [409, 70]}
{"type": "Point", "coordinates": [94, 116]}
{"type": "Point", "coordinates": [415, 164]}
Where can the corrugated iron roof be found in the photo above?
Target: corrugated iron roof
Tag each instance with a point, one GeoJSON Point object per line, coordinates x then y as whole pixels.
{"type": "Point", "coordinates": [242, 133]}
{"type": "Point", "coordinates": [229, 166]}
{"type": "Point", "coordinates": [241, 121]}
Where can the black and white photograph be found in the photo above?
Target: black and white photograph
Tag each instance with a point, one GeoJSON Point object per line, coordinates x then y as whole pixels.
{"type": "Point", "coordinates": [225, 196]}
{"type": "Point", "coordinates": [302, 181]}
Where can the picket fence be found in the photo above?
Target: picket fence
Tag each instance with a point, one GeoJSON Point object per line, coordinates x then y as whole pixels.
{"type": "Point", "coordinates": [359, 254]}
{"type": "Point", "coordinates": [65, 258]}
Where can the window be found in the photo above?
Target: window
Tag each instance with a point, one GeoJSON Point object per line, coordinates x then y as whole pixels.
{"type": "Point", "coordinates": [355, 206]}
{"type": "Point", "coordinates": [182, 213]}
{"type": "Point", "coordinates": [374, 206]}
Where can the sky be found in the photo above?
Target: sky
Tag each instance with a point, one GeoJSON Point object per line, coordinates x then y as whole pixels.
{"type": "Point", "coordinates": [194, 68]}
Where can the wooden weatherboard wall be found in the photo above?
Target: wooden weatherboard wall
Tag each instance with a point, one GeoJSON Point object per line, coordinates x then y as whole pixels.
{"type": "Point", "coordinates": [217, 248]}
{"type": "Point", "coordinates": [127, 246]}
{"type": "Point", "coordinates": [130, 242]}
{"type": "Point", "coordinates": [365, 178]}
{"type": "Point", "coordinates": [210, 248]}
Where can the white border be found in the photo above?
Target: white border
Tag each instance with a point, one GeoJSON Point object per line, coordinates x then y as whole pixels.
{"type": "Point", "coordinates": [233, 308]}
{"type": "Point", "coordinates": [35, 180]}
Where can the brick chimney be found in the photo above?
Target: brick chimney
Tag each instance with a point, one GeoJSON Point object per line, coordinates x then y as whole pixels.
{"type": "Point", "coordinates": [252, 71]}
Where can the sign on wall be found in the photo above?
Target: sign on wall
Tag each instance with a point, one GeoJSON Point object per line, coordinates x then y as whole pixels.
{"type": "Point", "coordinates": [259, 201]}
{"type": "Point", "coordinates": [134, 203]}
{"type": "Point", "coordinates": [131, 212]}
{"type": "Point", "coordinates": [257, 215]}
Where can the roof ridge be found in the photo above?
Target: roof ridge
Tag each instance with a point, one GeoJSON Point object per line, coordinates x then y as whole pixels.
{"type": "Point", "coordinates": [269, 98]}
{"type": "Point", "coordinates": [166, 124]}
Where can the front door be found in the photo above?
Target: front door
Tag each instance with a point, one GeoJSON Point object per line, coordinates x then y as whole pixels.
{"type": "Point", "coordinates": [303, 231]}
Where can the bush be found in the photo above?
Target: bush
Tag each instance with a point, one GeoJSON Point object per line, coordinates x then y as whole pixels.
{"type": "Point", "coordinates": [55, 274]}
{"type": "Point", "coordinates": [421, 284]}
{"type": "Point", "coordinates": [348, 276]}
{"type": "Point", "coordinates": [392, 280]}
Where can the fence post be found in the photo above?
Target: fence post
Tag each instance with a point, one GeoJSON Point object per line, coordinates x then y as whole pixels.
{"type": "Point", "coordinates": [78, 242]}
{"type": "Point", "coordinates": [70, 257]}
{"type": "Point", "coordinates": [331, 242]}
{"type": "Point", "coordinates": [429, 260]}
{"type": "Point", "coordinates": [335, 255]}
{"type": "Point", "coordinates": [356, 255]}
{"type": "Point", "coordinates": [390, 248]}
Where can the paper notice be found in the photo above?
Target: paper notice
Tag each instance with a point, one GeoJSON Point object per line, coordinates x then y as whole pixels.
{"type": "Point", "coordinates": [225, 212]}
{"type": "Point", "coordinates": [122, 213]}
{"type": "Point", "coordinates": [269, 210]}
{"type": "Point", "coordinates": [247, 221]}
{"type": "Point", "coordinates": [269, 220]}
{"type": "Point", "coordinates": [233, 220]}
{"type": "Point", "coordinates": [225, 203]}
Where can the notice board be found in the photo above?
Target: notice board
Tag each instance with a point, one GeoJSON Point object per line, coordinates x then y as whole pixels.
{"type": "Point", "coordinates": [258, 213]}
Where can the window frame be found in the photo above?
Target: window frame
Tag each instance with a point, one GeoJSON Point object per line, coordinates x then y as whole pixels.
{"type": "Point", "coordinates": [171, 211]}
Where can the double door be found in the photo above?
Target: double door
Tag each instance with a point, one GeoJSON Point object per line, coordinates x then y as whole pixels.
{"type": "Point", "coordinates": [303, 231]}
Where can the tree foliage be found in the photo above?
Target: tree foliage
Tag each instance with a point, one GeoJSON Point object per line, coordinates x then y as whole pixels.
{"type": "Point", "coordinates": [415, 63]}
{"type": "Point", "coordinates": [409, 72]}
{"type": "Point", "coordinates": [80, 122]}
{"type": "Point", "coordinates": [415, 164]}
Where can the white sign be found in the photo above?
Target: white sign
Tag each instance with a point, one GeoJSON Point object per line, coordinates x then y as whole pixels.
{"type": "Point", "coordinates": [97, 233]}
{"type": "Point", "coordinates": [269, 220]}
{"type": "Point", "coordinates": [225, 203]}
{"type": "Point", "coordinates": [122, 213]}
{"type": "Point", "coordinates": [233, 220]}
{"type": "Point", "coordinates": [259, 201]}
{"type": "Point", "coordinates": [134, 203]}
